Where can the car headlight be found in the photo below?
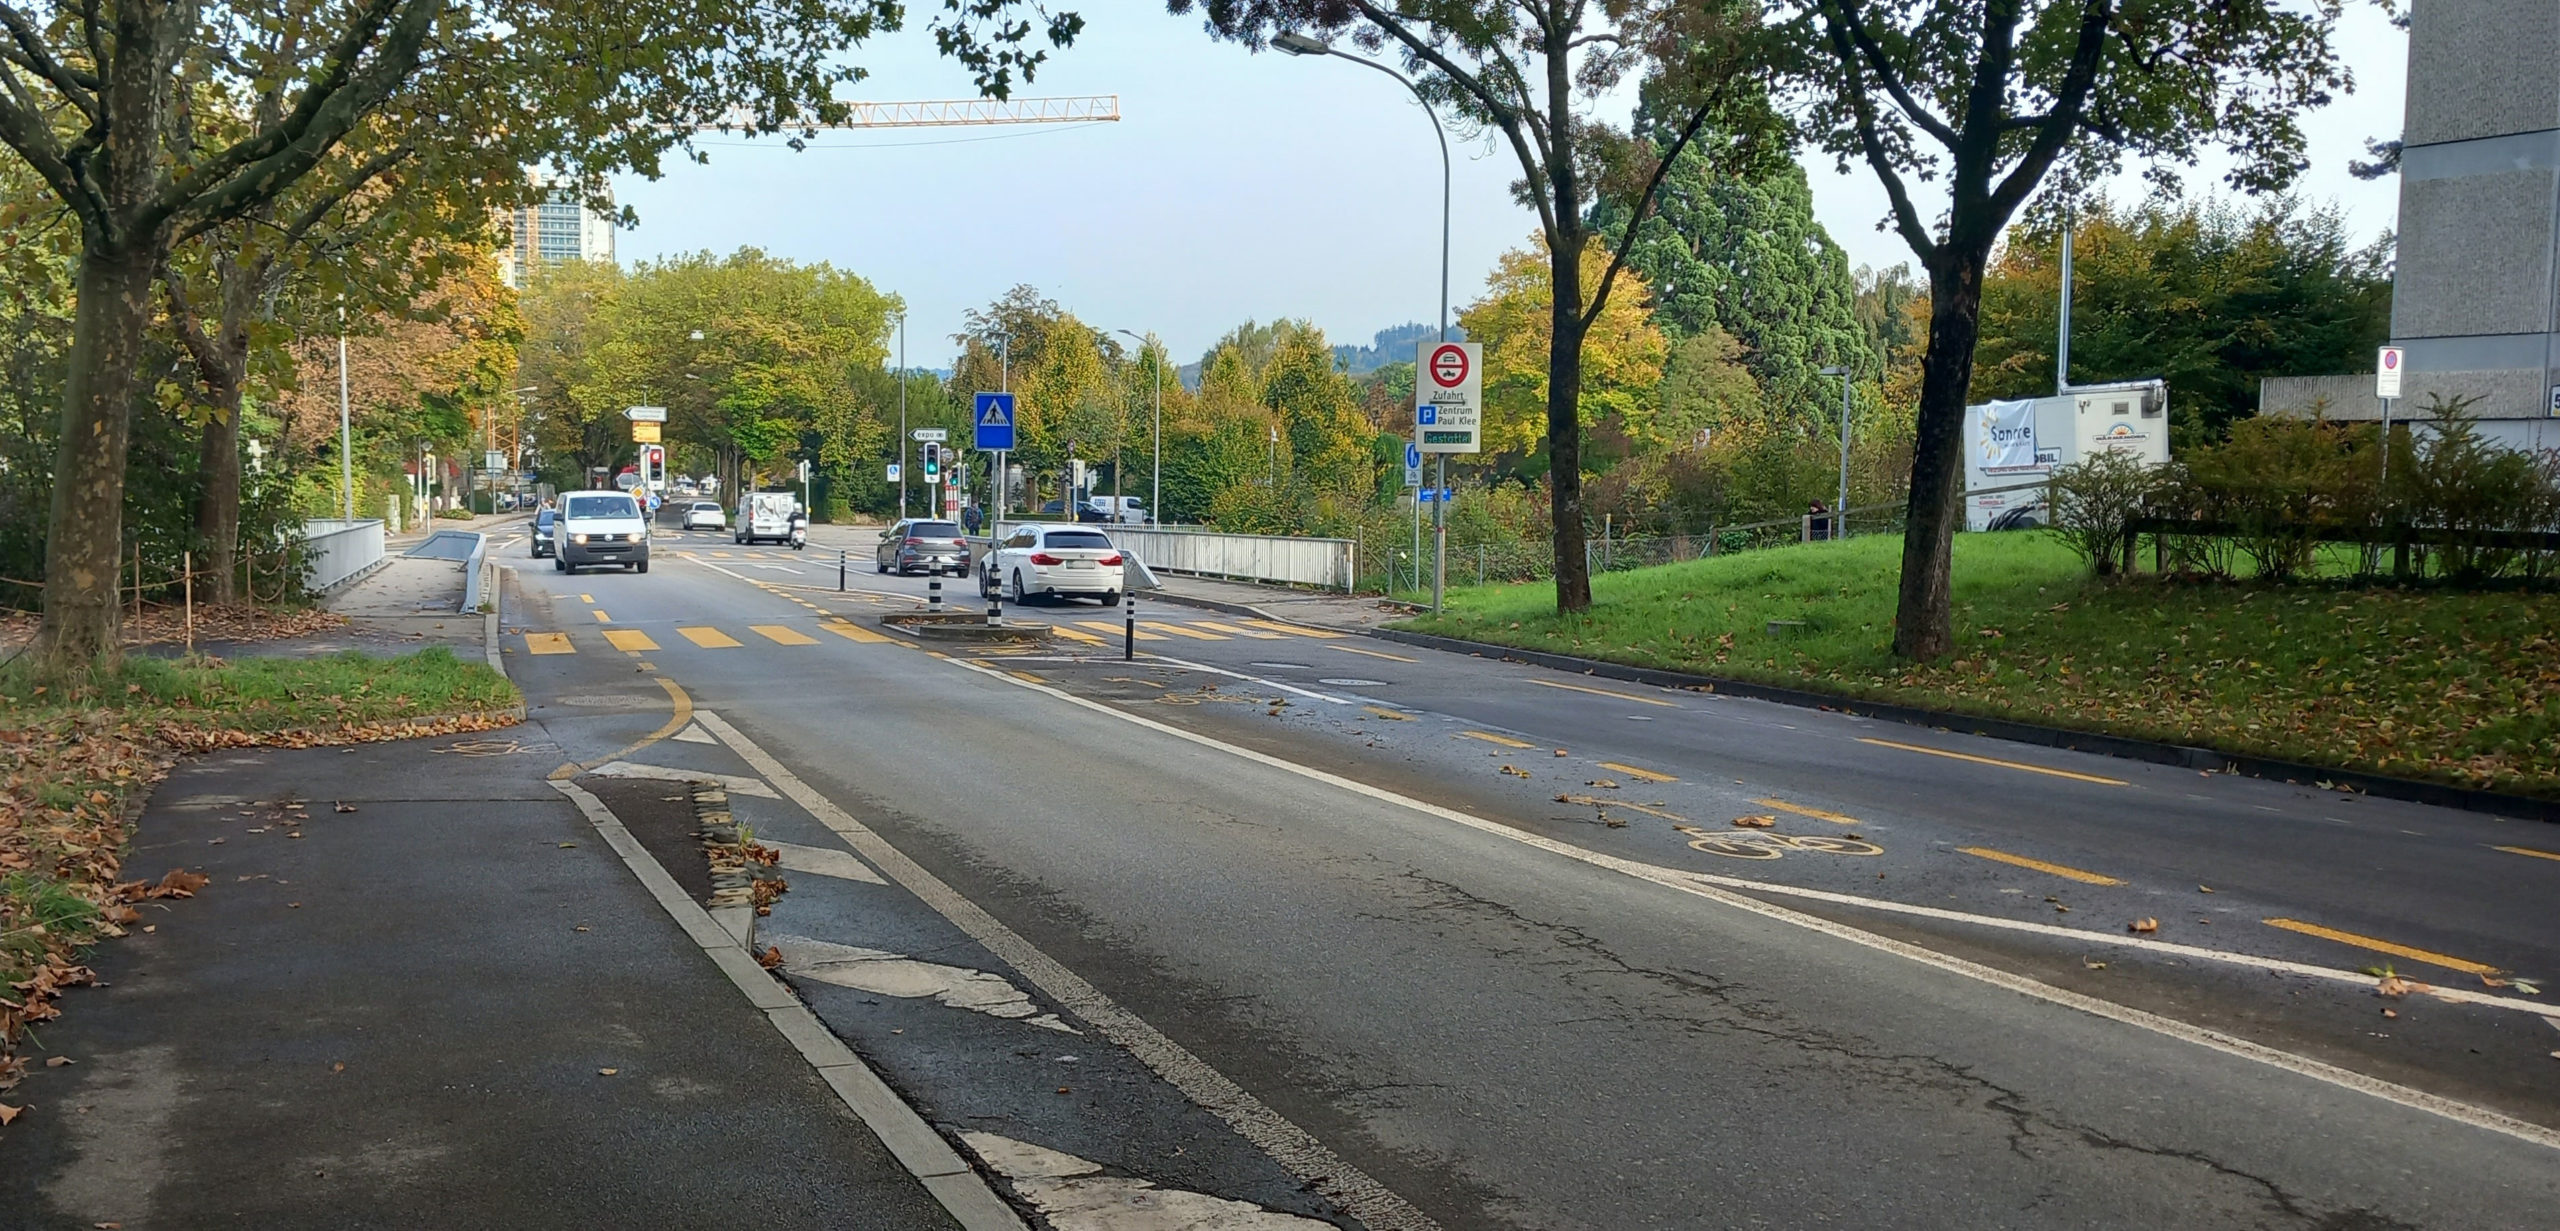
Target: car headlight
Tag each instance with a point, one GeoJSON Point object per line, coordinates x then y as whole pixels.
{"type": "Point", "coordinates": [579, 539]}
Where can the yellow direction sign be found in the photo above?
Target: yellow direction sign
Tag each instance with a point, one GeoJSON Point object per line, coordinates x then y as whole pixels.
{"type": "Point", "coordinates": [643, 433]}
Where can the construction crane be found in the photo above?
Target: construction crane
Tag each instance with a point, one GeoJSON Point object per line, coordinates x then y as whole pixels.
{"type": "Point", "coordinates": [943, 113]}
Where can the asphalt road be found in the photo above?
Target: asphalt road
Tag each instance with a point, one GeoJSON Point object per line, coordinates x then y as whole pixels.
{"type": "Point", "coordinates": [1910, 999]}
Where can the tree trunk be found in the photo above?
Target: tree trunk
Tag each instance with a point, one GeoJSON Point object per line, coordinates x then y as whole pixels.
{"type": "Point", "coordinates": [81, 619]}
{"type": "Point", "coordinates": [218, 492]}
{"type": "Point", "coordinates": [1923, 621]}
{"type": "Point", "coordinates": [1564, 426]}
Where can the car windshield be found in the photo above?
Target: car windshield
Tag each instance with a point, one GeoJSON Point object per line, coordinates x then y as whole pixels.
{"type": "Point", "coordinates": [934, 530]}
{"type": "Point", "coordinates": [545, 517]}
{"type": "Point", "coordinates": [1076, 538]}
{"type": "Point", "coordinates": [600, 506]}
{"type": "Point", "coordinates": [705, 506]}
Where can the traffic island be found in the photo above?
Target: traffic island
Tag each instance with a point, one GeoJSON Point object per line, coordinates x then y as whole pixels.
{"type": "Point", "coordinates": [969, 626]}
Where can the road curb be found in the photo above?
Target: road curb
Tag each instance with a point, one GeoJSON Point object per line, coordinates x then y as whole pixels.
{"type": "Point", "coordinates": [2380, 786]}
{"type": "Point", "coordinates": [490, 621]}
{"type": "Point", "coordinates": [1247, 609]}
{"type": "Point", "coordinates": [962, 1192]}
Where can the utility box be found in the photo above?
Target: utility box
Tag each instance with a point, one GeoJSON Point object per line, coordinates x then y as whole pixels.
{"type": "Point", "coordinates": [2010, 444]}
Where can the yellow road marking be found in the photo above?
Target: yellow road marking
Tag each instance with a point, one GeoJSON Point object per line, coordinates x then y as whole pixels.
{"type": "Point", "coordinates": [707, 637]}
{"type": "Point", "coordinates": [1646, 809]}
{"type": "Point", "coordinates": [722, 555]}
{"type": "Point", "coordinates": [1116, 631]}
{"type": "Point", "coordinates": [1075, 635]}
{"type": "Point", "coordinates": [1025, 675]}
{"type": "Point", "coordinates": [1603, 692]}
{"type": "Point", "coordinates": [781, 635]}
{"type": "Point", "coordinates": [601, 617]}
{"type": "Point", "coordinates": [1800, 810]}
{"type": "Point", "coordinates": [548, 643]}
{"type": "Point", "coordinates": [853, 632]}
{"type": "Point", "coordinates": [677, 699]}
{"type": "Point", "coordinates": [2430, 957]}
{"type": "Point", "coordinates": [1642, 775]}
{"type": "Point", "coordinates": [1180, 631]}
{"type": "Point", "coordinates": [631, 639]}
{"type": "Point", "coordinates": [1491, 738]}
{"type": "Point", "coordinates": [2064, 871]}
{"type": "Point", "coordinates": [1374, 654]}
{"type": "Point", "coordinates": [1383, 712]}
{"type": "Point", "coordinates": [1963, 756]}
{"type": "Point", "coordinates": [1291, 629]}
{"type": "Point", "coordinates": [587, 598]}
{"type": "Point", "coordinates": [2527, 850]}
{"type": "Point", "coordinates": [1256, 634]}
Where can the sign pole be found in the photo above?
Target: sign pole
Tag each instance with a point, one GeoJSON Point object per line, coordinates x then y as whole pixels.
{"type": "Point", "coordinates": [1439, 532]}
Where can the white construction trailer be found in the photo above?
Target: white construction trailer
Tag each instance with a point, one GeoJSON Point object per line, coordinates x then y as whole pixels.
{"type": "Point", "coordinates": [2020, 443]}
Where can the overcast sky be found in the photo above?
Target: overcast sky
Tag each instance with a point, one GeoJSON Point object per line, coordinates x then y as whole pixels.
{"type": "Point", "coordinates": [1235, 187]}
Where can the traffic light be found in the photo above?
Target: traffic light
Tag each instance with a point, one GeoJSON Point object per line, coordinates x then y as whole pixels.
{"type": "Point", "coordinates": [932, 463]}
{"type": "Point", "coordinates": [653, 466]}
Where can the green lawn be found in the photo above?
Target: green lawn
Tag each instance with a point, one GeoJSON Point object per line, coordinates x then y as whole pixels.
{"type": "Point", "coordinates": [2420, 683]}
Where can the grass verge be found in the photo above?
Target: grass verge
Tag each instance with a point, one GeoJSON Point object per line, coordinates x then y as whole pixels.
{"type": "Point", "coordinates": [2436, 684]}
{"type": "Point", "coordinates": [76, 764]}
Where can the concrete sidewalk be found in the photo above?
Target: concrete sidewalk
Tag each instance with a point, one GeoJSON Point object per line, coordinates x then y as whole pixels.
{"type": "Point", "coordinates": [1314, 608]}
{"type": "Point", "coordinates": [449, 1005]}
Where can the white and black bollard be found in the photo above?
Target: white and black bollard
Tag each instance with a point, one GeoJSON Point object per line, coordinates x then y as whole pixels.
{"type": "Point", "coordinates": [995, 605]}
{"type": "Point", "coordinates": [840, 570]}
{"type": "Point", "coordinates": [1129, 627]}
{"type": "Point", "coordinates": [933, 594]}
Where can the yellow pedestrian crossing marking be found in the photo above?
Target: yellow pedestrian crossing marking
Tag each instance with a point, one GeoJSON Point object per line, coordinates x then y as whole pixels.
{"type": "Point", "coordinates": [548, 643]}
{"type": "Point", "coordinates": [853, 632]}
{"type": "Point", "coordinates": [601, 617]}
{"type": "Point", "coordinates": [1215, 627]}
{"type": "Point", "coordinates": [1180, 631]}
{"type": "Point", "coordinates": [1374, 654]}
{"type": "Point", "coordinates": [1073, 634]}
{"type": "Point", "coordinates": [722, 555]}
{"type": "Point", "coordinates": [708, 638]}
{"type": "Point", "coordinates": [1115, 630]}
{"type": "Point", "coordinates": [781, 635]}
{"type": "Point", "coordinates": [631, 639]}
{"type": "Point", "coordinates": [1291, 629]}
{"type": "Point", "coordinates": [1641, 775]}
{"type": "Point", "coordinates": [587, 598]}
{"type": "Point", "coordinates": [1491, 738]}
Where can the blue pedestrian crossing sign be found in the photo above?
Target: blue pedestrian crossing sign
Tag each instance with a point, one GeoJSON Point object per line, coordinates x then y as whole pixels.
{"type": "Point", "coordinates": [995, 420]}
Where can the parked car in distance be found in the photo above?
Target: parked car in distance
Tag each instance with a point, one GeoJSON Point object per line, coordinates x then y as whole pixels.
{"type": "Point", "coordinates": [705, 515]}
{"type": "Point", "coordinates": [600, 528]}
{"type": "Point", "coordinates": [1123, 510]}
{"type": "Point", "coordinates": [1053, 562]}
{"type": "Point", "coordinates": [542, 532]}
{"type": "Point", "coordinates": [935, 547]}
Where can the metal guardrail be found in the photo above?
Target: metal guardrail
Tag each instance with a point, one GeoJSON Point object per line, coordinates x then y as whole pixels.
{"type": "Point", "coordinates": [1329, 564]}
{"type": "Point", "coordinates": [339, 551]}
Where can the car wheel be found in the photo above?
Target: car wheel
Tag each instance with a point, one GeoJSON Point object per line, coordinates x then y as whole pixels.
{"type": "Point", "coordinates": [641, 567]}
{"type": "Point", "coordinates": [985, 590]}
{"type": "Point", "coordinates": [560, 564]}
{"type": "Point", "coordinates": [1021, 598]}
{"type": "Point", "coordinates": [1110, 598]}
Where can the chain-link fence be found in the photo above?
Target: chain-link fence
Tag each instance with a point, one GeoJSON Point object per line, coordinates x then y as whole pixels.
{"type": "Point", "coordinates": [1390, 566]}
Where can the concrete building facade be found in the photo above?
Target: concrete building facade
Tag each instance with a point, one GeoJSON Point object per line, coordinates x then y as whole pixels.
{"type": "Point", "coordinates": [558, 228]}
{"type": "Point", "coordinates": [2476, 287]}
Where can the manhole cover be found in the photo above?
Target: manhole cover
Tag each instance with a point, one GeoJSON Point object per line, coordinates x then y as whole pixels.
{"type": "Point", "coordinates": [1350, 683]}
{"type": "Point", "coordinates": [1283, 666]}
{"type": "Point", "coordinates": [611, 703]}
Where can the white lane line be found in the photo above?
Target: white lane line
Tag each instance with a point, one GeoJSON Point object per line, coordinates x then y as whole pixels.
{"type": "Point", "coordinates": [1713, 889]}
{"type": "Point", "coordinates": [1295, 1149]}
{"type": "Point", "coordinates": [1076, 1196]}
{"type": "Point", "coordinates": [1252, 679]}
{"type": "Point", "coordinates": [883, 973]}
{"type": "Point", "coordinates": [910, 1140]}
{"type": "Point", "coordinates": [821, 861]}
{"type": "Point", "coordinates": [735, 784]}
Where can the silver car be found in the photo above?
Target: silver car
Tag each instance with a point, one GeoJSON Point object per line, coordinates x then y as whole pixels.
{"type": "Point", "coordinates": [932, 547]}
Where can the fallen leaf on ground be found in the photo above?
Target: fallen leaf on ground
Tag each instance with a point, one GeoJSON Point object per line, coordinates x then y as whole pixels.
{"type": "Point", "coordinates": [179, 883]}
{"type": "Point", "coordinates": [2391, 1012]}
{"type": "Point", "coordinates": [344, 807]}
{"type": "Point", "coordinates": [2143, 925]}
{"type": "Point", "coordinates": [770, 958]}
{"type": "Point", "coordinates": [566, 845]}
{"type": "Point", "coordinates": [2394, 986]}
{"type": "Point", "coordinates": [2492, 981]}
{"type": "Point", "coordinates": [338, 1067]}
{"type": "Point", "coordinates": [2093, 965]}
{"type": "Point", "coordinates": [1515, 771]}
{"type": "Point", "coordinates": [2203, 889]}
{"type": "Point", "coordinates": [1755, 822]}
{"type": "Point", "coordinates": [9, 1114]}
{"type": "Point", "coordinates": [55, 1062]}
{"type": "Point", "coordinates": [607, 1072]}
{"type": "Point", "coordinates": [1562, 753]}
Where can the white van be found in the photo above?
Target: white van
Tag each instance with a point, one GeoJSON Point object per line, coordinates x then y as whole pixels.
{"type": "Point", "coordinates": [764, 516]}
{"type": "Point", "coordinates": [599, 528]}
{"type": "Point", "coordinates": [1124, 510]}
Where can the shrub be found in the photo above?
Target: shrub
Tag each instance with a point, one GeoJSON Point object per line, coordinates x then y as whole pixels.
{"type": "Point", "coordinates": [2450, 479]}
{"type": "Point", "coordinates": [2277, 483]}
{"type": "Point", "coordinates": [2095, 501]}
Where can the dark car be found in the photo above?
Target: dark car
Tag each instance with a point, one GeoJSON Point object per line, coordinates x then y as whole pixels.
{"type": "Point", "coordinates": [935, 547]}
{"type": "Point", "coordinates": [542, 531]}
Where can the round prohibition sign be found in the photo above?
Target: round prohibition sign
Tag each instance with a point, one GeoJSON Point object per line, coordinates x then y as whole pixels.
{"type": "Point", "coordinates": [1449, 366]}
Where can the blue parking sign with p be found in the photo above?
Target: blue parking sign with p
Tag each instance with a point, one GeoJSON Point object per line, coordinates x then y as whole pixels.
{"type": "Point", "coordinates": [994, 417]}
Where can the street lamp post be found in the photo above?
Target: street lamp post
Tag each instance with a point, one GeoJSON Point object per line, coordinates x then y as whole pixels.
{"type": "Point", "coordinates": [1296, 44]}
{"type": "Point", "coordinates": [1155, 489]}
{"type": "Point", "coordinates": [1840, 512]}
{"type": "Point", "coordinates": [346, 432]}
{"type": "Point", "coordinates": [902, 416]}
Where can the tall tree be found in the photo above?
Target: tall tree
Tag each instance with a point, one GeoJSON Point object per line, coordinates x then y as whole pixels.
{"type": "Point", "coordinates": [97, 98]}
{"type": "Point", "coordinates": [1621, 360]}
{"type": "Point", "coordinates": [1988, 96]}
{"type": "Point", "coordinates": [1535, 72]}
{"type": "Point", "coordinates": [1741, 252]}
